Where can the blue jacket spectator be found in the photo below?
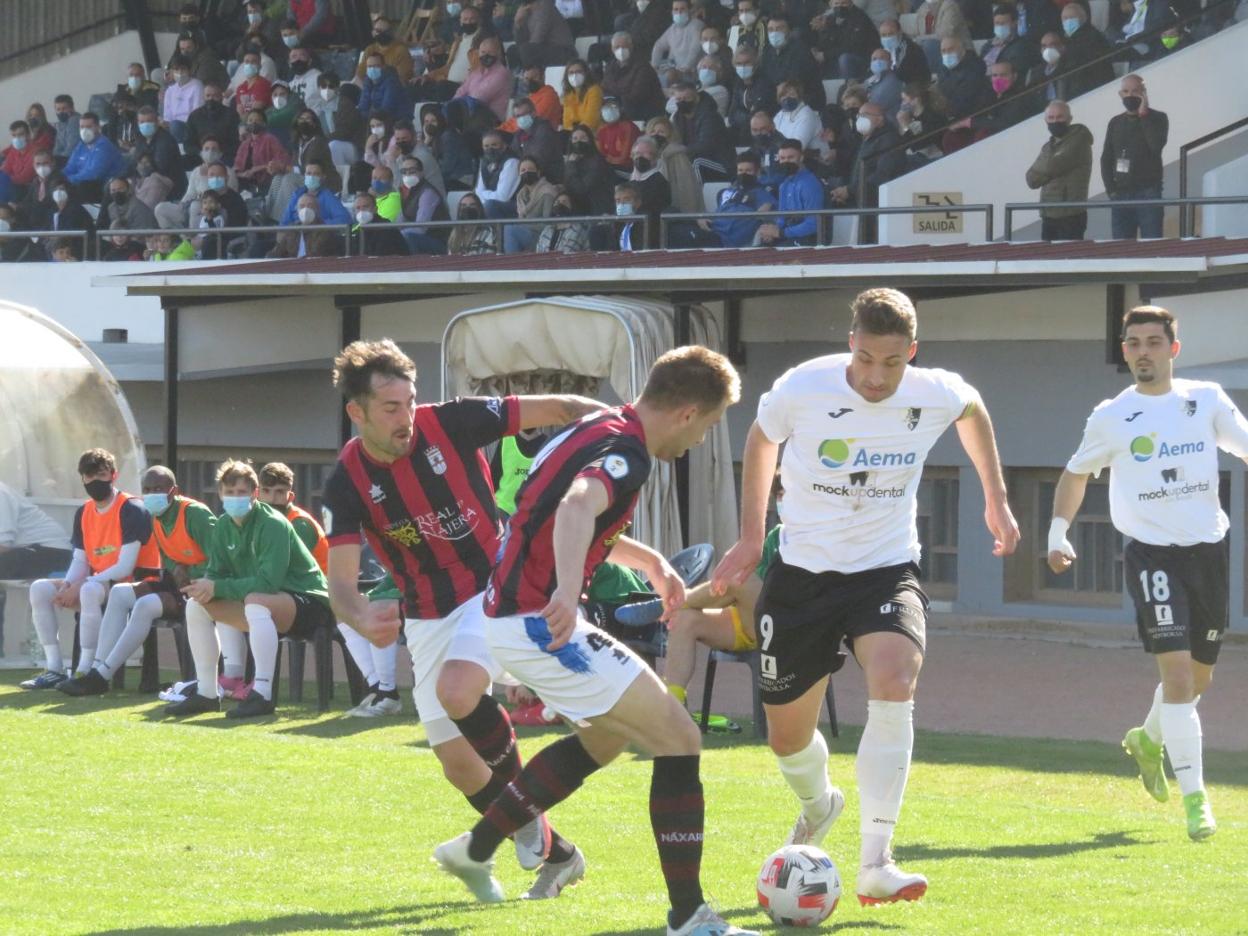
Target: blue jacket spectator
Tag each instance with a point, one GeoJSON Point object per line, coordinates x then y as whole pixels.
{"type": "Point", "coordinates": [383, 91]}
{"type": "Point", "coordinates": [332, 211]}
{"type": "Point", "coordinates": [93, 163]}
{"type": "Point", "coordinates": [745, 195]}
{"type": "Point", "coordinates": [800, 191]}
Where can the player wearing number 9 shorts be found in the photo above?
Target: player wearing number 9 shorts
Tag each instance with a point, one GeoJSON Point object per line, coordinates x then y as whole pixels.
{"type": "Point", "coordinates": [857, 429]}
{"type": "Point", "coordinates": [1160, 440]}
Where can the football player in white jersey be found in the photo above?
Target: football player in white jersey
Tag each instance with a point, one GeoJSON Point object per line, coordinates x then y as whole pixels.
{"type": "Point", "coordinates": [1160, 440]}
{"type": "Point", "coordinates": [856, 428]}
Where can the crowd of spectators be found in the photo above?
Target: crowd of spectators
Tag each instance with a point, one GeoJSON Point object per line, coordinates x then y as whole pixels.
{"type": "Point", "coordinates": [260, 117]}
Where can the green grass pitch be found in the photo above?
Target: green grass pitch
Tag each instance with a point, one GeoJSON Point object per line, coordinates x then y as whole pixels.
{"type": "Point", "coordinates": [116, 821]}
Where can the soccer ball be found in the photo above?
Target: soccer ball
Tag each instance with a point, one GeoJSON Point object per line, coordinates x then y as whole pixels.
{"type": "Point", "coordinates": [799, 886]}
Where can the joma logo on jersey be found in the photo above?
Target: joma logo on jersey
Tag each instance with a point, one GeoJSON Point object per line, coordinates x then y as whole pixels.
{"type": "Point", "coordinates": [833, 453]}
{"type": "Point", "coordinates": [1145, 447]}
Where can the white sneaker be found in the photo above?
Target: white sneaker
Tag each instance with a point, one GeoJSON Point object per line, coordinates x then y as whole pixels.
{"type": "Point", "coordinates": [555, 876]}
{"type": "Point", "coordinates": [887, 883]}
{"type": "Point", "coordinates": [378, 705]}
{"type": "Point", "coordinates": [452, 857]}
{"type": "Point", "coordinates": [807, 833]}
{"type": "Point", "coordinates": [532, 842]}
{"type": "Point", "coordinates": [358, 712]}
{"type": "Point", "coordinates": [706, 922]}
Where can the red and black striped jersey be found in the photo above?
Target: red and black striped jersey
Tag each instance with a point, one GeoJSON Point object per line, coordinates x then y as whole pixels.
{"type": "Point", "coordinates": [430, 515]}
{"type": "Point", "coordinates": [609, 445]}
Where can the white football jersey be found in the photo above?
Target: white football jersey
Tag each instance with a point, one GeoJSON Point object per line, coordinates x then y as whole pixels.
{"type": "Point", "coordinates": [851, 468]}
{"type": "Point", "coordinates": [1163, 456]}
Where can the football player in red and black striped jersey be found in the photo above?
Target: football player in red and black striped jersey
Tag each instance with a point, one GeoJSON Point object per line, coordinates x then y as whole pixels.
{"type": "Point", "coordinates": [570, 516]}
{"type": "Point", "coordinates": [416, 485]}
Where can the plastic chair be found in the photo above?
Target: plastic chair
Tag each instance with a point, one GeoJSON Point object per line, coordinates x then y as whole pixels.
{"type": "Point", "coordinates": [149, 672]}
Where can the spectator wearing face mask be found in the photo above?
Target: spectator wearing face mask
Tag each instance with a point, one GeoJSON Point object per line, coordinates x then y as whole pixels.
{"type": "Point", "coordinates": [1053, 68]}
{"type": "Point", "coordinates": [963, 82]}
{"type": "Point", "coordinates": [787, 58]}
{"type": "Point", "coordinates": [498, 177]}
{"type": "Point", "coordinates": [1061, 172]}
{"type": "Point", "coordinates": [880, 159]}
{"type": "Point", "coordinates": [587, 175]}
{"type": "Point", "coordinates": [233, 210]}
{"type": "Point", "coordinates": [36, 206]}
{"type": "Point", "coordinates": [702, 131]}
{"type": "Point", "coordinates": [304, 80]}
{"type": "Point", "coordinates": [19, 155]}
{"type": "Point", "coordinates": [281, 114]}
{"type": "Point", "coordinates": [123, 208]}
{"type": "Point", "coordinates": [94, 160]}
{"type": "Point", "coordinates": [387, 45]}
{"type": "Point", "coordinates": [648, 182]}
{"type": "Point", "coordinates": [488, 84]}
{"type": "Point", "coordinates": [644, 21]}
{"type": "Point", "coordinates": [420, 202]}
{"type": "Point", "coordinates": [714, 45]}
{"type": "Point", "coordinates": [199, 180]}
{"type": "Point", "coordinates": [382, 90]}
{"type": "Point", "coordinates": [451, 151]}
{"type": "Point", "coordinates": [712, 83]}
{"type": "Point", "coordinates": [156, 141]}
{"type": "Point", "coordinates": [846, 39]}
{"type": "Point", "coordinates": [184, 94]}
{"type": "Point", "coordinates": [123, 129]}
{"type": "Point", "coordinates": [374, 235]}
{"type": "Point", "coordinates": [675, 54]}
{"type": "Point", "coordinates": [435, 83]}
{"type": "Point", "coordinates": [405, 143]}
{"type": "Point", "coordinates": [535, 197]}
{"type": "Point", "coordinates": [388, 196]}
{"type": "Point", "coordinates": [800, 191]}
{"type": "Point", "coordinates": [1007, 45]}
{"type": "Point", "coordinates": [213, 119]}
{"type": "Point", "coordinates": [542, 34]}
{"type": "Point", "coordinates": [347, 128]}
{"type": "Point", "coordinates": [1085, 44]}
{"type": "Point", "coordinates": [564, 237]}
{"type": "Point", "coordinates": [329, 206]}
{"type": "Point", "coordinates": [67, 130]}
{"type": "Point", "coordinates": [151, 188]}
{"type": "Point", "coordinates": [254, 92]}
{"type": "Point", "coordinates": [746, 194]}
{"type": "Point", "coordinates": [42, 136]}
{"type": "Point", "coordinates": [536, 139]}
{"type": "Point", "coordinates": [884, 87]}
{"type": "Point", "coordinates": [67, 213]}
{"type": "Point", "coordinates": [765, 141]}
{"type": "Point", "coordinates": [213, 212]}
{"type": "Point", "coordinates": [259, 31]}
{"type": "Point", "coordinates": [675, 166]}
{"type": "Point", "coordinates": [322, 242]}
{"type": "Point", "coordinates": [1013, 104]}
{"type": "Point", "coordinates": [921, 111]}
{"type": "Point", "coordinates": [749, 27]}
{"type": "Point", "coordinates": [260, 156]}
{"type": "Point", "coordinates": [616, 135]}
{"type": "Point", "coordinates": [473, 239]}
{"type": "Point", "coordinates": [906, 59]}
{"type": "Point", "coordinates": [628, 208]}
{"type": "Point", "coordinates": [464, 33]}
{"type": "Point", "coordinates": [795, 120]}
{"type": "Point", "coordinates": [311, 146]}
{"type": "Point", "coordinates": [582, 97]}
{"type": "Point", "coordinates": [632, 80]}
{"type": "Point", "coordinates": [202, 64]}
{"type": "Point", "coordinates": [137, 83]}
{"type": "Point", "coordinates": [750, 93]}
{"type": "Point", "coordinates": [1131, 166]}
{"type": "Point", "coordinates": [546, 102]}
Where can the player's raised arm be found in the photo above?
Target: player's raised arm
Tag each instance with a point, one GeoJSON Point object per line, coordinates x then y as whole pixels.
{"type": "Point", "coordinates": [663, 578]}
{"type": "Point", "coordinates": [975, 431]}
{"type": "Point", "coordinates": [555, 410]}
{"type": "Point", "coordinates": [758, 469]}
{"type": "Point", "coordinates": [1067, 499]}
{"type": "Point", "coordinates": [574, 531]}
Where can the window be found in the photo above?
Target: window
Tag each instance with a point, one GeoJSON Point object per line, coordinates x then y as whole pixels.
{"type": "Point", "coordinates": [1096, 577]}
{"type": "Point", "coordinates": [938, 532]}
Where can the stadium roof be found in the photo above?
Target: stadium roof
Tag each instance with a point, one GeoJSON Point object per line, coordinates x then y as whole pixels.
{"type": "Point", "coordinates": [990, 266]}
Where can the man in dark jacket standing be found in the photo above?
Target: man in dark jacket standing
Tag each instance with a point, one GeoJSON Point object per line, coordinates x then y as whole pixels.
{"type": "Point", "coordinates": [880, 159]}
{"type": "Point", "coordinates": [1084, 44]}
{"type": "Point", "coordinates": [1131, 161]}
{"type": "Point", "coordinates": [1061, 173]}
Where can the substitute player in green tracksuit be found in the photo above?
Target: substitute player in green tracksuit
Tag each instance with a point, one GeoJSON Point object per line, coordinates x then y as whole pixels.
{"type": "Point", "coordinates": [261, 579]}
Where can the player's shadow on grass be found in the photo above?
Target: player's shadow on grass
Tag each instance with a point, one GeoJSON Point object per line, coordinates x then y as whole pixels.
{"type": "Point", "coordinates": [52, 702]}
{"type": "Point", "coordinates": [1099, 842]}
{"type": "Point", "coordinates": [411, 918]}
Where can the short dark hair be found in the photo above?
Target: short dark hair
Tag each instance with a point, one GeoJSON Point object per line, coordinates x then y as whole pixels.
{"type": "Point", "coordinates": [179, 61]}
{"type": "Point", "coordinates": [1002, 10]}
{"type": "Point", "coordinates": [277, 474]}
{"type": "Point", "coordinates": [692, 374]}
{"type": "Point", "coordinates": [884, 312]}
{"type": "Point", "coordinates": [358, 362]}
{"type": "Point", "coordinates": [313, 162]}
{"type": "Point", "coordinates": [63, 99]}
{"type": "Point", "coordinates": [209, 138]}
{"type": "Point", "coordinates": [628, 188]}
{"type": "Point", "coordinates": [95, 460]}
{"type": "Point", "coordinates": [232, 470]}
{"type": "Point", "coordinates": [790, 144]}
{"type": "Point", "coordinates": [19, 125]}
{"type": "Point", "coordinates": [88, 115]}
{"type": "Point", "coordinates": [1145, 314]}
{"type": "Point", "coordinates": [749, 156]}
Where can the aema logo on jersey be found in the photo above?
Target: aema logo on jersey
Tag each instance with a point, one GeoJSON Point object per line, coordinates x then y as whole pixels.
{"type": "Point", "coordinates": [1144, 447]}
{"type": "Point", "coordinates": [833, 453]}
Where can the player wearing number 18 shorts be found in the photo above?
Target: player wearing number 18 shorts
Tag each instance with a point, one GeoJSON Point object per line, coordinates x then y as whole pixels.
{"type": "Point", "coordinates": [1160, 440]}
{"type": "Point", "coordinates": [856, 428]}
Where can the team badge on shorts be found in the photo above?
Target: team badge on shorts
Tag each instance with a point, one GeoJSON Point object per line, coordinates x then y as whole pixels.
{"type": "Point", "coordinates": [436, 461]}
{"type": "Point", "coordinates": [912, 417]}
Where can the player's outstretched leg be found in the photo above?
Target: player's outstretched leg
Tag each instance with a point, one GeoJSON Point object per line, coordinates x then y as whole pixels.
{"type": "Point", "coordinates": [1180, 727]}
{"type": "Point", "coordinates": [1145, 746]}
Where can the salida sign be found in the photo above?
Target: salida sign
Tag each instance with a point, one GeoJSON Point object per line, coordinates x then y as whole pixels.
{"type": "Point", "coordinates": [933, 222]}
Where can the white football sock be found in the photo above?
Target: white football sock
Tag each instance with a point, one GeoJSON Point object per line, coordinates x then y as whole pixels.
{"type": "Point", "coordinates": [1180, 729]}
{"type": "Point", "coordinates": [806, 773]}
{"type": "Point", "coordinates": [121, 599]}
{"type": "Point", "coordinates": [201, 634]}
{"type": "Point", "coordinates": [146, 610]}
{"type": "Point", "coordinates": [41, 594]}
{"type": "Point", "coordinates": [233, 651]}
{"type": "Point", "coordinates": [385, 660]}
{"type": "Point", "coordinates": [1152, 724]}
{"type": "Point", "coordinates": [91, 598]}
{"type": "Point", "coordinates": [263, 638]}
{"type": "Point", "coordinates": [882, 768]}
{"type": "Point", "coordinates": [361, 652]}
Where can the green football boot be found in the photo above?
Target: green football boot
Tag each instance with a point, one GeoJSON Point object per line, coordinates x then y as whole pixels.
{"type": "Point", "coordinates": [1200, 822]}
{"type": "Point", "coordinates": [1147, 756]}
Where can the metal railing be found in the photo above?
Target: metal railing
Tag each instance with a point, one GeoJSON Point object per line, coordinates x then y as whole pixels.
{"type": "Point", "coordinates": [1012, 207]}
